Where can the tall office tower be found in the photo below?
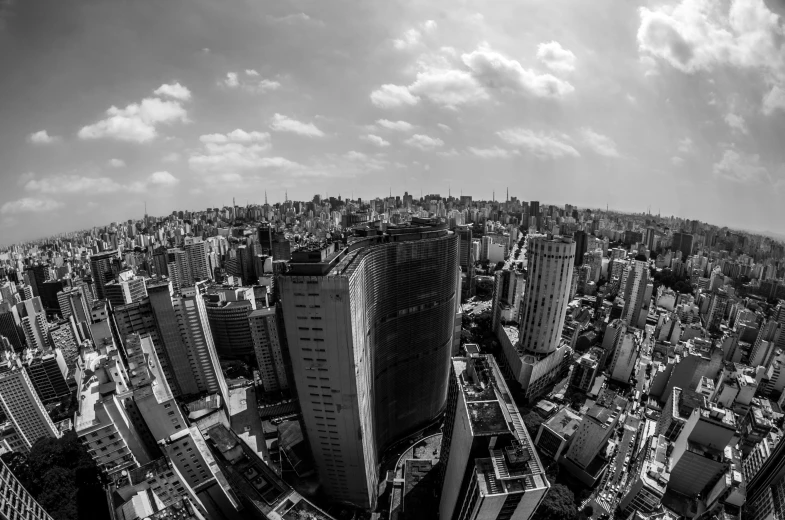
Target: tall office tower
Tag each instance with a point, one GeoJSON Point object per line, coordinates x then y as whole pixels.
{"type": "Point", "coordinates": [47, 373]}
{"type": "Point", "coordinates": [717, 307]}
{"type": "Point", "coordinates": [281, 247]}
{"type": "Point", "coordinates": [370, 332]}
{"type": "Point", "coordinates": [159, 263]}
{"type": "Point", "coordinates": [265, 233]}
{"type": "Point", "coordinates": [127, 288]}
{"type": "Point", "coordinates": [269, 349]}
{"type": "Point", "coordinates": [636, 293]}
{"type": "Point", "coordinates": [198, 258]}
{"type": "Point", "coordinates": [104, 267]}
{"type": "Point", "coordinates": [21, 404]}
{"type": "Point", "coordinates": [194, 329]}
{"type": "Point", "coordinates": [173, 350]}
{"type": "Point", "coordinates": [465, 257]}
{"type": "Point", "coordinates": [16, 503]}
{"type": "Point", "coordinates": [581, 246]}
{"type": "Point", "coordinates": [682, 242]}
{"type": "Point", "coordinates": [534, 214]}
{"type": "Point", "coordinates": [488, 465]}
{"type": "Point", "coordinates": [107, 422]}
{"type": "Point", "coordinates": [76, 302]}
{"type": "Point", "coordinates": [227, 313]}
{"type": "Point", "coordinates": [764, 348]}
{"type": "Point", "coordinates": [178, 268]}
{"type": "Point", "coordinates": [625, 355]}
{"type": "Point", "coordinates": [47, 291]}
{"type": "Point", "coordinates": [550, 265]}
{"type": "Point", "coordinates": [593, 259]}
{"type": "Point", "coordinates": [10, 325]}
{"type": "Point", "coordinates": [766, 487]}
{"type": "Point", "coordinates": [507, 294]}
{"type": "Point", "coordinates": [246, 263]}
{"type": "Point", "coordinates": [34, 324]}
{"type": "Point", "coordinates": [37, 275]}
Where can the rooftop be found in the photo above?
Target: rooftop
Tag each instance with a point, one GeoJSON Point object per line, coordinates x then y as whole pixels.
{"type": "Point", "coordinates": [564, 423]}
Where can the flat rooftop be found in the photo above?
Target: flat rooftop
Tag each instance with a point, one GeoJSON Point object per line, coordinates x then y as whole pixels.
{"type": "Point", "coordinates": [564, 423]}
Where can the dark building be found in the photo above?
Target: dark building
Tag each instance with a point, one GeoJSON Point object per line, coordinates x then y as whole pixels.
{"type": "Point", "coordinates": [281, 247]}
{"type": "Point", "coordinates": [37, 275]}
{"type": "Point", "coordinates": [372, 319]}
{"type": "Point", "coordinates": [48, 292]}
{"type": "Point", "coordinates": [48, 377]}
{"type": "Point", "coordinates": [104, 267]}
{"type": "Point", "coordinates": [230, 327]}
{"type": "Point", "coordinates": [581, 246]}
{"type": "Point", "coordinates": [682, 242]}
{"type": "Point", "coordinates": [10, 326]}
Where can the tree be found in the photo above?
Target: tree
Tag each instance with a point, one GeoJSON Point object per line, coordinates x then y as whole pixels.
{"type": "Point", "coordinates": [532, 421]}
{"type": "Point", "coordinates": [559, 504]}
{"type": "Point", "coordinates": [588, 511]}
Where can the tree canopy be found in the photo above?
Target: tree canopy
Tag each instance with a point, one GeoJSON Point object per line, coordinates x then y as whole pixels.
{"type": "Point", "coordinates": [62, 477]}
{"type": "Point", "coordinates": [559, 504]}
{"type": "Point", "coordinates": [532, 421]}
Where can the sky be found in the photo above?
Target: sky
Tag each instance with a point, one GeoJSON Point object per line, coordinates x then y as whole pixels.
{"type": "Point", "coordinates": [184, 104]}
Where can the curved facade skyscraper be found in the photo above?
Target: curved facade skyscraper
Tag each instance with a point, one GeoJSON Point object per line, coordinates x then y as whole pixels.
{"type": "Point", "coordinates": [370, 329]}
{"type": "Point", "coordinates": [550, 264]}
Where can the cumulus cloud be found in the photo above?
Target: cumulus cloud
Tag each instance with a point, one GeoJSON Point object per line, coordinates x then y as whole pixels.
{"type": "Point", "coordinates": [255, 85]}
{"type": "Point", "coordinates": [449, 88]}
{"type": "Point", "coordinates": [736, 122]}
{"type": "Point", "coordinates": [774, 100]}
{"type": "Point", "coordinates": [171, 157]}
{"type": "Point", "coordinates": [539, 144]}
{"type": "Point", "coordinates": [282, 123]}
{"type": "Point", "coordinates": [401, 126]}
{"type": "Point", "coordinates": [677, 161]}
{"type": "Point", "coordinates": [117, 163]}
{"type": "Point", "coordinates": [163, 178]}
{"type": "Point", "coordinates": [556, 57]}
{"type": "Point", "coordinates": [236, 151]}
{"type": "Point", "coordinates": [424, 142]}
{"type": "Point", "coordinates": [741, 168]}
{"type": "Point", "coordinates": [68, 184]}
{"type": "Point", "coordinates": [42, 137]}
{"type": "Point", "coordinates": [685, 145]}
{"type": "Point", "coordinates": [30, 205]}
{"type": "Point", "coordinates": [174, 90]}
{"type": "Point", "coordinates": [698, 35]}
{"type": "Point", "coordinates": [375, 140]}
{"type": "Point", "coordinates": [138, 122]}
{"type": "Point", "coordinates": [444, 127]}
{"type": "Point", "coordinates": [392, 96]}
{"type": "Point", "coordinates": [601, 144]}
{"type": "Point", "coordinates": [412, 37]}
{"type": "Point", "coordinates": [496, 71]}
{"type": "Point", "coordinates": [492, 153]}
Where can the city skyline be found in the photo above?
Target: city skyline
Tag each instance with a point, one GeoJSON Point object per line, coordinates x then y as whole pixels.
{"type": "Point", "coordinates": [116, 105]}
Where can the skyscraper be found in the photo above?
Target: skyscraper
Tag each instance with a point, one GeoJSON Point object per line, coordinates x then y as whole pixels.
{"type": "Point", "coordinates": [488, 464]}
{"type": "Point", "coordinates": [21, 404]}
{"type": "Point", "coordinates": [636, 293]}
{"type": "Point", "coordinates": [15, 501]}
{"type": "Point", "coordinates": [104, 267]}
{"type": "Point", "coordinates": [268, 347]}
{"type": "Point", "coordinates": [189, 264]}
{"type": "Point", "coordinates": [551, 261]}
{"type": "Point", "coordinates": [10, 325]}
{"type": "Point", "coordinates": [581, 246]}
{"type": "Point", "coordinates": [370, 330]}
{"type": "Point", "coordinates": [227, 312]}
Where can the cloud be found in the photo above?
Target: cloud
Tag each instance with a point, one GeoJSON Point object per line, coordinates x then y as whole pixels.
{"type": "Point", "coordinates": [556, 57]}
{"type": "Point", "coordinates": [117, 163]}
{"type": "Point", "coordinates": [741, 168]}
{"type": "Point", "coordinates": [401, 126]}
{"type": "Point", "coordinates": [30, 205]}
{"type": "Point", "coordinates": [492, 153]}
{"type": "Point", "coordinates": [444, 127]}
{"type": "Point", "coordinates": [174, 90]}
{"type": "Point", "coordinates": [138, 122]}
{"type": "Point", "coordinates": [233, 81]}
{"type": "Point", "coordinates": [60, 184]}
{"type": "Point", "coordinates": [700, 35]}
{"type": "Point", "coordinates": [601, 144]}
{"type": "Point", "coordinates": [449, 88]}
{"type": "Point", "coordinates": [677, 161]}
{"type": "Point", "coordinates": [281, 123]}
{"type": "Point", "coordinates": [774, 100]}
{"type": "Point", "coordinates": [375, 140]}
{"type": "Point", "coordinates": [685, 145]}
{"type": "Point", "coordinates": [409, 39]}
{"type": "Point", "coordinates": [392, 96]}
{"type": "Point", "coordinates": [236, 151]}
{"type": "Point", "coordinates": [42, 137]}
{"type": "Point", "coordinates": [539, 144]}
{"type": "Point", "coordinates": [737, 123]}
{"type": "Point", "coordinates": [496, 71]}
{"type": "Point", "coordinates": [171, 157]}
{"type": "Point", "coordinates": [163, 178]}
{"type": "Point", "coordinates": [296, 18]}
{"type": "Point", "coordinates": [424, 142]}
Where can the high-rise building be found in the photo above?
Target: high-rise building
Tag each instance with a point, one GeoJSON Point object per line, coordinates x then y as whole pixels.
{"type": "Point", "coordinates": [717, 307]}
{"type": "Point", "coordinates": [581, 246]}
{"type": "Point", "coordinates": [545, 301]}
{"type": "Point", "coordinates": [488, 464]}
{"type": "Point", "coordinates": [34, 323]}
{"type": "Point", "coordinates": [370, 332]}
{"type": "Point", "coordinates": [507, 294]}
{"type": "Point", "coordinates": [104, 267]}
{"type": "Point", "coordinates": [189, 264]}
{"type": "Point", "coordinates": [227, 312]}
{"type": "Point", "coordinates": [76, 302]}
{"type": "Point", "coordinates": [10, 325]}
{"type": "Point", "coordinates": [269, 349]}
{"type": "Point", "coordinates": [127, 288]}
{"type": "Point", "coordinates": [682, 242]}
{"type": "Point", "coordinates": [16, 503]}
{"type": "Point", "coordinates": [636, 291]}
{"type": "Point", "coordinates": [195, 334]}
{"type": "Point", "coordinates": [21, 404]}
{"type": "Point", "coordinates": [47, 371]}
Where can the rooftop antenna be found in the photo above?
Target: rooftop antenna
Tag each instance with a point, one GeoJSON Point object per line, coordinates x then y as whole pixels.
{"type": "Point", "coordinates": [265, 197]}
{"type": "Point", "coordinates": [508, 194]}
